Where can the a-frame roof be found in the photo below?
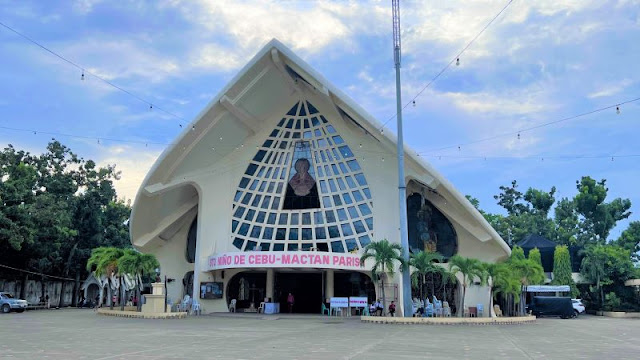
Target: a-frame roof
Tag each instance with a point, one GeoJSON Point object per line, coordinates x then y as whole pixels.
{"type": "Point", "coordinates": [275, 72]}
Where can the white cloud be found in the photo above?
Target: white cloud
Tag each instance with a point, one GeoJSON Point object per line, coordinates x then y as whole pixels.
{"type": "Point", "coordinates": [84, 6]}
{"type": "Point", "coordinates": [133, 163]}
{"type": "Point", "coordinates": [611, 89]}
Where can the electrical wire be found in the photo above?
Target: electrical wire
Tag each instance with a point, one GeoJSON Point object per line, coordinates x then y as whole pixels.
{"type": "Point", "coordinates": [37, 273]}
{"type": "Point", "coordinates": [515, 132]}
{"type": "Point", "coordinates": [85, 71]}
{"type": "Point", "coordinates": [454, 59]}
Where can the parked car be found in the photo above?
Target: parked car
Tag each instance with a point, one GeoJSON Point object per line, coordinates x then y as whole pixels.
{"type": "Point", "coordinates": [578, 306]}
{"type": "Point", "coordinates": [552, 306]}
{"type": "Point", "coordinates": [8, 303]}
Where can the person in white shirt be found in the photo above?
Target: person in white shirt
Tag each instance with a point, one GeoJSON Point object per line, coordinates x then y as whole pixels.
{"type": "Point", "coordinates": [379, 307]}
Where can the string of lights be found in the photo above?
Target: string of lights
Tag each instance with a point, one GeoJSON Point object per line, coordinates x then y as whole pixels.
{"type": "Point", "coordinates": [535, 127]}
{"type": "Point", "coordinates": [87, 72]}
{"type": "Point", "coordinates": [84, 137]}
{"type": "Point", "coordinates": [455, 59]}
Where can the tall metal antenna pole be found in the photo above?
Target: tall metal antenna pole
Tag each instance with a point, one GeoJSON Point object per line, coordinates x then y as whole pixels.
{"type": "Point", "coordinates": [402, 187]}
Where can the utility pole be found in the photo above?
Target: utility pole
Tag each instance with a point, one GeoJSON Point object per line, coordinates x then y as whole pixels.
{"type": "Point", "coordinates": [402, 187]}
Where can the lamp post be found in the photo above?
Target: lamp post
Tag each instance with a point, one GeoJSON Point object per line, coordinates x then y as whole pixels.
{"type": "Point", "coordinates": [402, 187]}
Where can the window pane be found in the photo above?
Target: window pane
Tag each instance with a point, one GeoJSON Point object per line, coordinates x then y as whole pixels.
{"type": "Point", "coordinates": [330, 216]}
{"type": "Point", "coordinates": [336, 246]}
{"type": "Point", "coordinates": [292, 247]}
{"type": "Point", "coordinates": [293, 234]}
{"type": "Point", "coordinates": [342, 215]}
{"type": "Point", "coordinates": [321, 233]}
{"type": "Point", "coordinates": [239, 212]}
{"type": "Point", "coordinates": [361, 180]}
{"type": "Point", "coordinates": [346, 230]}
{"type": "Point", "coordinates": [357, 195]}
{"type": "Point", "coordinates": [347, 198]}
{"type": "Point", "coordinates": [369, 222]}
{"type": "Point", "coordinates": [250, 215]}
{"type": "Point", "coordinates": [283, 219]}
{"type": "Point", "coordinates": [306, 234]}
{"type": "Point", "coordinates": [359, 226]}
{"type": "Point", "coordinates": [272, 218]}
{"type": "Point", "coordinates": [281, 233]}
{"type": "Point", "coordinates": [346, 152]}
{"type": "Point", "coordinates": [350, 181]}
{"type": "Point", "coordinates": [351, 244]}
{"type": "Point", "coordinates": [238, 242]}
{"type": "Point", "coordinates": [261, 216]}
{"type": "Point", "coordinates": [306, 219]}
{"type": "Point", "coordinates": [318, 219]}
{"type": "Point", "coordinates": [255, 232]}
{"type": "Point", "coordinates": [278, 247]}
{"type": "Point", "coordinates": [294, 218]}
{"type": "Point", "coordinates": [251, 169]}
{"type": "Point", "coordinates": [336, 200]}
{"type": "Point", "coordinates": [353, 165]}
{"type": "Point", "coordinates": [268, 233]}
{"type": "Point", "coordinates": [246, 198]}
{"type": "Point", "coordinates": [256, 200]}
{"type": "Point", "coordinates": [364, 240]}
{"type": "Point", "coordinates": [334, 232]}
{"type": "Point", "coordinates": [244, 229]}
{"type": "Point", "coordinates": [251, 246]}
{"type": "Point", "coordinates": [352, 212]}
{"type": "Point", "coordinates": [364, 209]}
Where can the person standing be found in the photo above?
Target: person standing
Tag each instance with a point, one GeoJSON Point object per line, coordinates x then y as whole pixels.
{"type": "Point", "coordinates": [290, 302]}
{"type": "Point", "coordinates": [46, 299]}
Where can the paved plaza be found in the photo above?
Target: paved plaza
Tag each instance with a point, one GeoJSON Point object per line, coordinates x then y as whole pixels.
{"type": "Point", "coordinates": [82, 334]}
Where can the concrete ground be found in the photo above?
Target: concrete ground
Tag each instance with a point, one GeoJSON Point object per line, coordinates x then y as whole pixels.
{"type": "Point", "coordinates": [82, 334]}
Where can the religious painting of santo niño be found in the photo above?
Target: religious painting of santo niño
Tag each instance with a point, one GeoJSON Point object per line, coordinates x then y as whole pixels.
{"type": "Point", "coordinates": [302, 191]}
{"type": "Point", "coordinates": [429, 229]}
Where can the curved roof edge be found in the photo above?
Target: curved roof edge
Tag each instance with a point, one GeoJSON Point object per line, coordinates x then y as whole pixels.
{"type": "Point", "coordinates": [357, 109]}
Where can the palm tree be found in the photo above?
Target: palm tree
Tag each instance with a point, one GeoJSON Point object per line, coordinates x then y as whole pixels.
{"type": "Point", "coordinates": [423, 263]}
{"type": "Point", "coordinates": [137, 264]}
{"type": "Point", "coordinates": [104, 261]}
{"type": "Point", "coordinates": [528, 272]}
{"type": "Point", "coordinates": [384, 255]}
{"type": "Point", "coordinates": [470, 269]}
{"type": "Point", "coordinates": [497, 277]}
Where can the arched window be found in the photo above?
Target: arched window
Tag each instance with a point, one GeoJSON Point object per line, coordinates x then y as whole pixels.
{"type": "Point", "coordinates": [192, 238]}
{"type": "Point", "coordinates": [429, 229]}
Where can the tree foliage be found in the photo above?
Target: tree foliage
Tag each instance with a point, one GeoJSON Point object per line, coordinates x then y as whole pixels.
{"type": "Point", "coordinates": [387, 257]}
{"type": "Point", "coordinates": [562, 269]}
{"type": "Point", "coordinates": [56, 208]}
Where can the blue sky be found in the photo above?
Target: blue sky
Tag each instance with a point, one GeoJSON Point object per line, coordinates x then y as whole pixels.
{"type": "Point", "coordinates": [540, 61]}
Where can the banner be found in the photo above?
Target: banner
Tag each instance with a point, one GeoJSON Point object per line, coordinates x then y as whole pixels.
{"type": "Point", "coordinates": [339, 302]}
{"type": "Point", "coordinates": [358, 301]}
{"type": "Point", "coordinates": [283, 259]}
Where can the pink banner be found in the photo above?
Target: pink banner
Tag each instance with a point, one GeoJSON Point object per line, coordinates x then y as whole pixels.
{"type": "Point", "coordinates": [283, 259]}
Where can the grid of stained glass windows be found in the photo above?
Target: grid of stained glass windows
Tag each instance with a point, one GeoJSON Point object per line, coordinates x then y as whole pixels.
{"type": "Point", "coordinates": [344, 220]}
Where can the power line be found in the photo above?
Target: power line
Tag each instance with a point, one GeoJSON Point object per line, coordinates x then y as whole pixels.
{"type": "Point", "coordinates": [539, 157]}
{"type": "Point", "coordinates": [517, 132]}
{"type": "Point", "coordinates": [85, 71]}
{"type": "Point", "coordinates": [86, 137]}
{"type": "Point", "coordinates": [36, 273]}
{"type": "Point", "coordinates": [455, 58]}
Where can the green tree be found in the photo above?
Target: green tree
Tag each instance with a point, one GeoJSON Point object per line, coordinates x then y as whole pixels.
{"type": "Point", "coordinates": [470, 269]}
{"type": "Point", "coordinates": [104, 261]}
{"type": "Point", "coordinates": [630, 240]}
{"type": "Point", "coordinates": [528, 272]}
{"type": "Point", "coordinates": [137, 264]}
{"type": "Point", "coordinates": [534, 255]}
{"type": "Point", "coordinates": [599, 217]}
{"type": "Point", "coordinates": [386, 258]}
{"type": "Point", "coordinates": [497, 275]}
{"type": "Point", "coordinates": [562, 269]}
{"type": "Point", "coordinates": [424, 264]}
{"type": "Point", "coordinates": [517, 253]}
{"type": "Point", "coordinates": [606, 265]}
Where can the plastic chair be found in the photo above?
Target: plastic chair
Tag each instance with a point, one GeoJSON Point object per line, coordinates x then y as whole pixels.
{"type": "Point", "coordinates": [195, 308]}
{"type": "Point", "coordinates": [446, 310]}
{"type": "Point", "coordinates": [325, 309]}
{"type": "Point", "coordinates": [497, 310]}
{"type": "Point", "coordinates": [428, 312]}
{"type": "Point", "coordinates": [336, 310]}
{"type": "Point", "coordinates": [232, 305]}
{"type": "Point", "coordinates": [261, 308]}
{"type": "Point", "coordinates": [365, 311]}
{"type": "Point", "coordinates": [480, 309]}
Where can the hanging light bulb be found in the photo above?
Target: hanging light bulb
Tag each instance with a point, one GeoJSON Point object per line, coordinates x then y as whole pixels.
{"type": "Point", "coordinates": [414, 103]}
{"type": "Point", "coordinates": [459, 148]}
{"type": "Point", "coordinates": [151, 108]}
{"type": "Point", "coordinates": [612, 158]}
{"type": "Point", "coordinates": [220, 137]}
{"type": "Point", "coordinates": [382, 159]}
{"type": "Point", "coordinates": [193, 127]}
{"type": "Point", "coordinates": [618, 110]}
{"type": "Point", "coordinates": [98, 141]}
{"type": "Point", "coordinates": [82, 76]}
{"type": "Point", "coordinates": [381, 131]}
{"type": "Point", "coordinates": [457, 61]}
{"type": "Point", "coordinates": [360, 146]}
{"type": "Point", "coordinates": [518, 136]}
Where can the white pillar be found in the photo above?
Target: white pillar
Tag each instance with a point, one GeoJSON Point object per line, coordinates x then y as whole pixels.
{"type": "Point", "coordinates": [329, 284]}
{"type": "Point", "coordinates": [270, 278]}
